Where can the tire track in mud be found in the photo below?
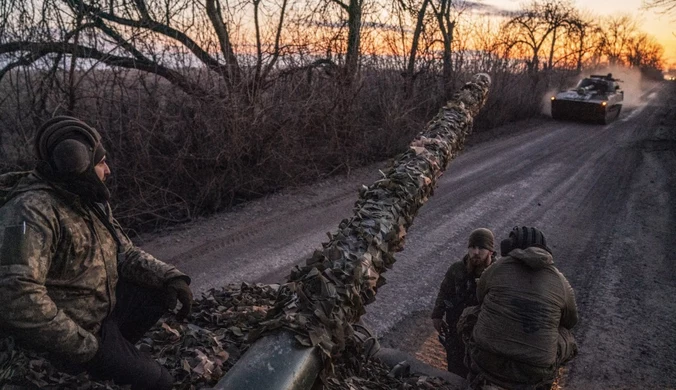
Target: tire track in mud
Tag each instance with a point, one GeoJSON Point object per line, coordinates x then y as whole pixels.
{"type": "Point", "coordinates": [266, 251]}
{"type": "Point", "coordinates": [250, 231]}
{"type": "Point", "coordinates": [579, 192]}
{"type": "Point", "coordinates": [572, 180]}
{"type": "Point", "coordinates": [499, 200]}
{"type": "Point", "coordinates": [627, 338]}
{"type": "Point", "coordinates": [602, 269]}
{"type": "Point", "coordinates": [228, 249]}
{"type": "Point", "coordinates": [623, 343]}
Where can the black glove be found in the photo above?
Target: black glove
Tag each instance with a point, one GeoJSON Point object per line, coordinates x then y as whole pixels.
{"type": "Point", "coordinates": [177, 289]}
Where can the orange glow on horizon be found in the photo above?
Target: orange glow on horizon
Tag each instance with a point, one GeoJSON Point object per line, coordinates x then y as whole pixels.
{"type": "Point", "coordinates": [660, 26]}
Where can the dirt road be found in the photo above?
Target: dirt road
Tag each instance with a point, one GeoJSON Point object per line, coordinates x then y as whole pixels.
{"type": "Point", "coordinates": [605, 196]}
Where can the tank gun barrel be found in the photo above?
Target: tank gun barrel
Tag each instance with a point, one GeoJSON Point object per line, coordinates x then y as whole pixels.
{"type": "Point", "coordinates": [321, 300]}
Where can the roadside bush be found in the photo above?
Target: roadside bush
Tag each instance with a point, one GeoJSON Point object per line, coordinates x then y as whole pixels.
{"type": "Point", "coordinates": [175, 157]}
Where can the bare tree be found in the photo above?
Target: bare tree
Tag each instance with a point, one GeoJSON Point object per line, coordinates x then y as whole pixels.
{"type": "Point", "coordinates": [643, 51]}
{"type": "Point", "coordinates": [584, 36]}
{"type": "Point", "coordinates": [538, 25]}
{"type": "Point", "coordinates": [580, 46]}
{"type": "Point", "coordinates": [264, 68]}
{"type": "Point", "coordinates": [157, 37]}
{"type": "Point", "coordinates": [486, 42]}
{"type": "Point", "coordinates": [353, 12]}
{"type": "Point", "coordinates": [618, 33]}
{"type": "Point", "coordinates": [559, 16]}
{"type": "Point", "coordinates": [665, 6]}
{"type": "Point", "coordinates": [446, 22]}
{"type": "Point", "coordinates": [420, 11]}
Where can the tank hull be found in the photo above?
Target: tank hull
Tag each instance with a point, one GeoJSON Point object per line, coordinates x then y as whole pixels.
{"type": "Point", "coordinates": [596, 98]}
{"type": "Point", "coordinates": [585, 111]}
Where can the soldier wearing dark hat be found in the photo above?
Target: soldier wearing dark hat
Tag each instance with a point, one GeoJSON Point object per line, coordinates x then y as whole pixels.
{"type": "Point", "coordinates": [522, 334]}
{"type": "Point", "coordinates": [71, 282]}
{"type": "Point", "coordinates": [457, 292]}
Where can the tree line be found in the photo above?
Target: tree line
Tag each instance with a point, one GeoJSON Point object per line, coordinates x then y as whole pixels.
{"type": "Point", "coordinates": [237, 98]}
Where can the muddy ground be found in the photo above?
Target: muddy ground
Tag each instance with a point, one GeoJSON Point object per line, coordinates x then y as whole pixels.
{"type": "Point", "coordinates": [605, 196]}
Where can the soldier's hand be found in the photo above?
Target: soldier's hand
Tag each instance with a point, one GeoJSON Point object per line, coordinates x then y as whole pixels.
{"type": "Point", "coordinates": [178, 290]}
{"type": "Point", "coordinates": [438, 324]}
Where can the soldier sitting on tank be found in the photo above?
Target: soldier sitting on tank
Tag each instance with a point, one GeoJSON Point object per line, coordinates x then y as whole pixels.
{"type": "Point", "coordinates": [71, 282]}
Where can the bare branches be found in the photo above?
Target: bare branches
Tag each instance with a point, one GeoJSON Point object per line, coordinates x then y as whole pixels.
{"type": "Point", "coordinates": [40, 49]}
{"type": "Point", "coordinates": [341, 5]}
{"type": "Point", "coordinates": [214, 12]}
{"type": "Point", "coordinates": [25, 60]}
{"type": "Point", "coordinates": [152, 25]}
{"type": "Point", "coordinates": [446, 24]}
{"type": "Point", "coordinates": [539, 24]}
{"type": "Point", "coordinates": [410, 68]}
{"type": "Point", "coordinates": [241, 48]}
{"type": "Point", "coordinates": [664, 6]}
{"type": "Point", "coordinates": [276, 52]}
{"type": "Point", "coordinates": [120, 40]}
{"type": "Point", "coordinates": [141, 6]}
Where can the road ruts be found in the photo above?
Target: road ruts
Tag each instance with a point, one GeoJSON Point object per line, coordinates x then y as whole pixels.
{"type": "Point", "coordinates": [603, 195]}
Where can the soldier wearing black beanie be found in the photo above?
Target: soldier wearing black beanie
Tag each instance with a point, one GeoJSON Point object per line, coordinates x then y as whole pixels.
{"type": "Point", "coordinates": [522, 237]}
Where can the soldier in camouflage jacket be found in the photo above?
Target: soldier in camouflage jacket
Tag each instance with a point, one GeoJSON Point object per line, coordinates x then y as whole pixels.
{"type": "Point", "coordinates": [71, 281]}
{"type": "Point", "coordinates": [457, 292]}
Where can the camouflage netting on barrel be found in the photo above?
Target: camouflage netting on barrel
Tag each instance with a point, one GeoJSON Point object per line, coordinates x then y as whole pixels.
{"type": "Point", "coordinates": [199, 352]}
{"type": "Point", "coordinates": [322, 299]}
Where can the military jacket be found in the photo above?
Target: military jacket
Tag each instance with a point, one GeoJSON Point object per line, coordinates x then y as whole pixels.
{"type": "Point", "coordinates": [457, 292]}
{"type": "Point", "coordinates": [59, 266]}
{"type": "Point", "coordinates": [524, 300]}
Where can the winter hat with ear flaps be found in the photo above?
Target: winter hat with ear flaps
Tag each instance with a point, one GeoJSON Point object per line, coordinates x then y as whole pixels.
{"type": "Point", "coordinates": [68, 150]}
{"type": "Point", "coordinates": [69, 145]}
{"type": "Point", "coordinates": [522, 237]}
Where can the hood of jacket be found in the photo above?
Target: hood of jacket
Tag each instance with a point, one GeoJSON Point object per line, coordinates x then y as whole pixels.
{"type": "Point", "coordinates": [534, 257]}
{"type": "Point", "coordinates": [15, 183]}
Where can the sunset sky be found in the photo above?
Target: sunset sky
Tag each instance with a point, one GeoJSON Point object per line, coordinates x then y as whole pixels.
{"type": "Point", "coordinates": [662, 27]}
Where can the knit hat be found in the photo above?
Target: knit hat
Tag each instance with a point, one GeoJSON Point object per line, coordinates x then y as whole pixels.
{"type": "Point", "coordinates": [523, 237]}
{"type": "Point", "coordinates": [69, 145]}
{"type": "Point", "coordinates": [482, 238]}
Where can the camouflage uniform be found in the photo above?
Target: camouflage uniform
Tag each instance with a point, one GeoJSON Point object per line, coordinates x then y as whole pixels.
{"type": "Point", "coordinates": [457, 292]}
{"type": "Point", "coordinates": [522, 334]}
{"type": "Point", "coordinates": [60, 265]}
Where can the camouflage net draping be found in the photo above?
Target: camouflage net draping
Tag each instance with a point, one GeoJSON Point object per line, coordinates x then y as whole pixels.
{"type": "Point", "coordinates": [199, 352]}
{"type": "Point", "coordinates": [322, 299]}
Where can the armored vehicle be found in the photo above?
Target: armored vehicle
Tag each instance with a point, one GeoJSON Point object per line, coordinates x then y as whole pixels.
{"type": "Point", "coordinates": [595, 98]}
